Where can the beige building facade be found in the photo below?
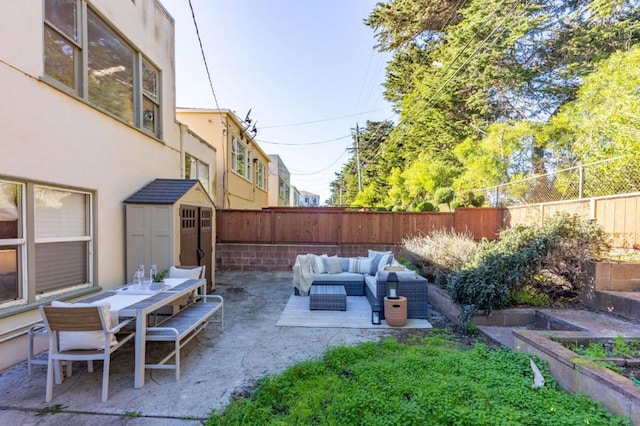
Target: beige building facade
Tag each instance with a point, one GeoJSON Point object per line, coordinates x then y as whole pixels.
{"type": "Point", "coordinates": [88, 118]}
{"type": "Point", "coordinates": [280, 183]}
{"type": "Point", "coordinates": [242, 180]}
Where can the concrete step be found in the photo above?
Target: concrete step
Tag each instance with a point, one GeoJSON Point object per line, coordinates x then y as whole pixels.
{"type": "Point", "coordinates": [624, 304]}
{"type": "Point", "coordinates": [594, 324]}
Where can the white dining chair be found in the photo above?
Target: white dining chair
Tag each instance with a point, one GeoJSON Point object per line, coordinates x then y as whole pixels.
{"type": "Point", "coordinates": [81, 333]}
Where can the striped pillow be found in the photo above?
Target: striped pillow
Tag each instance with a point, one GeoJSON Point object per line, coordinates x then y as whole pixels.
{"type": "Point", "coordinates": [360, 266]}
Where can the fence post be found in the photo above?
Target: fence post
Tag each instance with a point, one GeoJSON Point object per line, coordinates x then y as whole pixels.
{"type": "Point", "coordinates": [581, 183]}
{"type": "Point", "coordinates": [272, 216]}
{"type": "Point", "coordinates": [497, 196]}
{"type": "Point", "coordinates": [340, 227]}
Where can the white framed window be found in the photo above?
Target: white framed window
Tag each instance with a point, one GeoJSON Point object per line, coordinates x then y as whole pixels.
{"type": "Point", "coordinates": [261, 175]}
{"type": "Point", "coordinates": [58, 251]}
{"type": "Point", "coordinates": [283, 189]}
{"type": "Point", "coordinates": [63, 239]}
{"type": "Point", "coordinates": [239, 158]}
{"type": "Point", "coordinates": [12, 244]}
{"type": "Point", "coordinates": [196, 169]}
{"type": "Point", "coordinates": [85, 56]}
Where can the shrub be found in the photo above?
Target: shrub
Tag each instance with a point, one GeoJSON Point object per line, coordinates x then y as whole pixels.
{"type": "Point", "coordinates": [439, 254]}
{"type": "Point", "coordinates": [425, 206]}
{"type": "Point", "coordinates": [444, 196]}
{"type": "Point", "coordinates": [551, 257]}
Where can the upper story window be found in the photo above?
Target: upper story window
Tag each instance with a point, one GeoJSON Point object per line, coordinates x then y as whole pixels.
{"type": "Point", "coordinates": [283, 189]}
{"type": "Point", "coordinates": [261, 175]}
{"type": "Point", "coordinates": [240, 158]}
{"type": "Point", "coordinates": [196, 169]}
{"type": "Point", "coordinates": [99, 65]}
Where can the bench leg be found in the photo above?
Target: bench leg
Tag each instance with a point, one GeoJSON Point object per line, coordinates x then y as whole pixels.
{"type": "Point", "coordinates": [177, 360]}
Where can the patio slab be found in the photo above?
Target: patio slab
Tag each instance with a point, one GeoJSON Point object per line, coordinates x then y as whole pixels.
{"type": "Point", "coordinates": [215, 366]}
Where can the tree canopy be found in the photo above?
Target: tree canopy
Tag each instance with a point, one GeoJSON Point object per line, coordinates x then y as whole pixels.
{"type": "Point", "coordinates": [490, 91]}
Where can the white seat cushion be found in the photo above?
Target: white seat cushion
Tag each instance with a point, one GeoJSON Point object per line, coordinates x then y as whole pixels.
{"type": "Point", "coordinates": [192, 273]}
{"type": "Point", "coordinates": [85, 340]}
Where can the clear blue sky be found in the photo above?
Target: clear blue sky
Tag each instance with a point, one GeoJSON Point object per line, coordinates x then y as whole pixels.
{"type": "Point", "coordinates": [290, 61]}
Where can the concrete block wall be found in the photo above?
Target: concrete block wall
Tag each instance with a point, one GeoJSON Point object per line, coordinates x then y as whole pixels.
{"type": "Point", "coordinates": [281, 257]}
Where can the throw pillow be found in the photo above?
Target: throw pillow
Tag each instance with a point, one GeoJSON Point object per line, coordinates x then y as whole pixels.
{"type": "Point", "coordinates": [344, 262]}
{"type": "Point", "coordinates": [318, 264]}
{"type": "Point", "coordinates": [332, 265]}
{"type": "Point", "coordinates": [85, 340]}
{"type": "Point", "coordinates": [379, 260]}
{"type": "Point", "coordinates": [385, 260]}
{"type": "Point", "coordinates": [373, 253]}
{"type": "Point", "coordinates": [360, 266]}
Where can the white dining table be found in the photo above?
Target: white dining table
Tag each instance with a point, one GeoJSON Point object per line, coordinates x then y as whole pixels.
{"type": "Point", "coordinates": [139, 305]}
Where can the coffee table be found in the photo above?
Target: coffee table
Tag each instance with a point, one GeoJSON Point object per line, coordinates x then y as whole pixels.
{"type": "Point", "coordinates": [328, 298]}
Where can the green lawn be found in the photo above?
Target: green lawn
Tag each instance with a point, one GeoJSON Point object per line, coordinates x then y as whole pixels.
{"type": "Point", "coordinates": [431, 380]}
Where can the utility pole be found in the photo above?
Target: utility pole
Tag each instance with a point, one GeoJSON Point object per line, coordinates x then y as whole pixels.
{"type": "Point", "coordinates": [357, 142]}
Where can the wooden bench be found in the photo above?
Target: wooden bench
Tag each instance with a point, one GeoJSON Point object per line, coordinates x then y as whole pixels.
{"type": "Point", "coordinates": [184, 326]}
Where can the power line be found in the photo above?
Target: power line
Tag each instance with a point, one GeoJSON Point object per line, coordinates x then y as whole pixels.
{"type": "Point", "coordinates": [442, 75]}
{"type": "Point", "coordinates": [204, 58]}
{"type": "Point", "coordinates": [323, 119]}
{"type": "Point", "coordinates": [323, 169]}
{"type": "Point", "coordinates": [305, 143]}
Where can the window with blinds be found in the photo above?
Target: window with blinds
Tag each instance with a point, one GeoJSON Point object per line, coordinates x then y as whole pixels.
{"type": "Point", "coordinates": [62, 237]}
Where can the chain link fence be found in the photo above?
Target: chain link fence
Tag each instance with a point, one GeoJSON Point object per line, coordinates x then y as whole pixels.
{"type": "Point", "coordinates": [620, 175]}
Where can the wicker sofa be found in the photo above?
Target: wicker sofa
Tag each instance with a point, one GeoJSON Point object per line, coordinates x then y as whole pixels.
{"type": "Point", "coordinates": [410, 285]}
{"type": "Point", "coordinates": [372, 284]}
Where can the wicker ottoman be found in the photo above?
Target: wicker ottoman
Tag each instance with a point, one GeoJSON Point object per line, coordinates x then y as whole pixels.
{"type": "Point", "coordinates": [328, 298]}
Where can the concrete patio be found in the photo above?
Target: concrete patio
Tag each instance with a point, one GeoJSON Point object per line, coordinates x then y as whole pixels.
{"type": "Point", "coordinates": [215, 366]}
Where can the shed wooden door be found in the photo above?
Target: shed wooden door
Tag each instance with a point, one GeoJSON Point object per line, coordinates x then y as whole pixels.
{"type": "Point", "coordinates": [196, 238]}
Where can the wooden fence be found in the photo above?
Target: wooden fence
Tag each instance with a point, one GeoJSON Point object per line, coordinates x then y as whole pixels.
{"type": "Point", "coordinates": [619, 215]}
{"type": "Point", "coordinates": [335, 226]}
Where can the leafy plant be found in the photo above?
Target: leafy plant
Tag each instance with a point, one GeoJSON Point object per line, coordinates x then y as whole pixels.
{"type": "Point", "coordinates": [551, 257]}
{"type": "Point", "coordinates": [130, 415]}
{"type": "Point", "coordinates": [429, 378]}
{"type": "Point", "coordinates": [53, 409]}
{"type": "Point", "coordinates": [603, 353]}
{"type": "Point", "coordinates": [160, 276]}
{"type": "Point", "coordinates": [444, 196]}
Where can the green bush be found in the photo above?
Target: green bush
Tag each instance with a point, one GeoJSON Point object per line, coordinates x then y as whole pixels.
{"type": "Point", "coordinates": [443, 196]}
{"type": "Point", "coordinates": [425, 206]}
{"type": "Point", "coordinates": [551, 257]}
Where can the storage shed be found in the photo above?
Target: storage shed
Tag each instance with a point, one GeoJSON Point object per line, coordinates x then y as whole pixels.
{"type": "Point", "coordinates": [171, 222]}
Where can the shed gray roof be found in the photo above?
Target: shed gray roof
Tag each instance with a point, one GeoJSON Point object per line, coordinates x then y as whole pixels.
{"type": "Point", "coordinates": [162, 191]}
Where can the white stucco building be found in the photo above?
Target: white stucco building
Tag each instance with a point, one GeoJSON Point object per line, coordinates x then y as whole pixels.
{"type": "Point", "coordinates": [87, 114]}
{"type": "Point", "coordinates": [308, 199]}
{"type": "Point", "coordinates": [279, 182]}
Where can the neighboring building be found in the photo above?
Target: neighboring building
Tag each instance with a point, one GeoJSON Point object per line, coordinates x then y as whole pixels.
{"type": "Point", "coordinates": [242, 167]}
{"type": "Point", "coordinates": [279, 183]}
{"type": "Point", "coordinates": [295, 197]}
{"type": "Point", "coordinates": [307, 199]}
{"type": "Point", "coordinates": [88, 118]}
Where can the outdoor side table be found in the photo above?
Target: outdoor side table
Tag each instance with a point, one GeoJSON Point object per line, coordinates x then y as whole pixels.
{"type": "Point", "coordinates": [395, 311]}
{"type": "Point", "coordinates": [328, 298]}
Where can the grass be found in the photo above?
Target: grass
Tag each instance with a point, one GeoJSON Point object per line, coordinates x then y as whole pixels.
{"type": "Point", "coordinates": [618, 348]}
{"type": "Point", "coordinates": [429, 380]}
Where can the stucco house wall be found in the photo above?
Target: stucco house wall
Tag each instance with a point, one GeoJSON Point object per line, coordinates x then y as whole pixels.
{"type": "Point", "coordinates": [279, 172]}
{"type": "Point", "coordinates": [52, 138]}
{"type": "Point", "coordinates": [219, 127]}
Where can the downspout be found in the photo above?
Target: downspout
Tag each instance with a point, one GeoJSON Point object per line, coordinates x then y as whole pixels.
{"type": "Point", "coordinates": [183, 128]}
{"type": "Point", "coordinates": [225, 171]}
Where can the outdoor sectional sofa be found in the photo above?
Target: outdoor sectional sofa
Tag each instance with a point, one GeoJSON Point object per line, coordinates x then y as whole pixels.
{"type": "Point", "coordinates": [368, 277]}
